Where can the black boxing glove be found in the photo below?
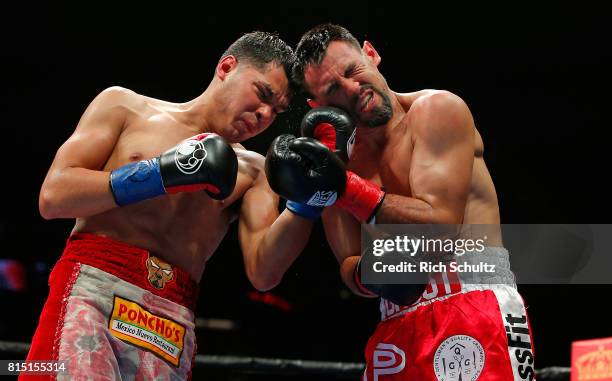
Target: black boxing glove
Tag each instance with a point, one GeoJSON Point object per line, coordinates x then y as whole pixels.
{"type": "Point", "coordinates": [333, 127]}
{"type": "Point", "coordinates": [305, 172]}
{"type": "Point", "coordinates": [203, 162]}
{"type": "Point", "coordinates": [400, 294]}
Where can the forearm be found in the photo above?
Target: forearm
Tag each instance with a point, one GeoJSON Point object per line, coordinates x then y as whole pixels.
{"type": "Point", "coordinates": [347, 273]}
{"type": "Point", "coordinates": [75, 192]}
{"type": "Point", "coordinates": [278, 248]}
{"type": "Point", "coordinates": [397, 209]}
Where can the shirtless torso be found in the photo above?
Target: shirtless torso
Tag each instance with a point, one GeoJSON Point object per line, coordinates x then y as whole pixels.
{"type": "Point", "coordinates": [186, 228]}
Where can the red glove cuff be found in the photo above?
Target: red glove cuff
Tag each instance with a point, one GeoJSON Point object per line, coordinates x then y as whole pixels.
{"type": "Point", "coordinates": [361, 197]}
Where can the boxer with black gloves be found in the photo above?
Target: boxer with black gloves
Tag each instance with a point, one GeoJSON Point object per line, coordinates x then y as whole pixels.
{"type": "Point", "coordinates": [140, 246]}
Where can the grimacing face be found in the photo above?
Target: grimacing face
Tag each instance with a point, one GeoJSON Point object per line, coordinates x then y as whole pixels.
{"type": "Point", "coordinates": [253, 98]}
{"type": "Point", "coordinates": [348, 78]}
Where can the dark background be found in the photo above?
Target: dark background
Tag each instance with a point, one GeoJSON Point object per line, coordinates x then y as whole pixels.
{"type": "Point", "coordinates": [534, 75]}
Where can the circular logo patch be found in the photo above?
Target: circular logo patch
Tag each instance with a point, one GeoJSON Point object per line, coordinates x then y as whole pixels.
{"type": "Point", "coordinates": [189, 156]}
{"type": "Point", "coordinates": [459, 357]}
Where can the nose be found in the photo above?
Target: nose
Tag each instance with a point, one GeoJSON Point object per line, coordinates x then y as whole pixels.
{"type": "Point", "coordinates": [351, 88]}
{"type": "Point", "coordinates": [264, 114]}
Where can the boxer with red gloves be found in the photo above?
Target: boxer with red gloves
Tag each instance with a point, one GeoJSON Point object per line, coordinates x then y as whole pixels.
{"type": "Point", "coordinates": [424, 149]}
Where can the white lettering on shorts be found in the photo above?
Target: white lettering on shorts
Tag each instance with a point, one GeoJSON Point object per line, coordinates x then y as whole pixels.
{"type": "Point", "coordinates": [516, 324]}
{"type": "Point", "coordinates": [459, 357]}
{"type": "Point", "coordinates": [388, 359]}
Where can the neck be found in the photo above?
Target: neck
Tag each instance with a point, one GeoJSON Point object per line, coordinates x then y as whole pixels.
{"type": "Point", "coordinates": [199, 112]}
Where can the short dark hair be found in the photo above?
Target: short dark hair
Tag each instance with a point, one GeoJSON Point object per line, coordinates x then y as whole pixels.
{"type": "Point", "coordinates": [313, 45]}
{"type": "Point", "coordinates": [261, 48]}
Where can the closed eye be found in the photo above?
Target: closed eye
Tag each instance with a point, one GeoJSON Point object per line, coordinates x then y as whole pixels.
{"type": "Point", "coordinates": [350, 70]}
{"type": "Point", "coordinates": [331, 88]}
{"type": "Point", "coordinates": [263, 93]}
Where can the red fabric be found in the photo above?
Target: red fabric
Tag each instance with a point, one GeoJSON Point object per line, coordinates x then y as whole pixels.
{"type": "Point", "coordinates": [128, 263]}
{"type": "Point", "coordinates": [417, 336]}
{"type": "Point", "coordinates": [361, 197]}
{"type": "Point", "coordinates": [122, 260]}
{"type": "Point", "coordinates": [192, 188]}
{"type": "Point", "coordinates": [45, 343]}
{"type": "Point", "coordinates": [201, 136]}
{"type": "Point", "coordinates": [326, 134]}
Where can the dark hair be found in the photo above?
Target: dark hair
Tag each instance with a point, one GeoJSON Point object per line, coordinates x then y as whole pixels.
{"type": "Point", "coordinates": [261, 48]}
{"type": "Point", "coordinates": [313, 45]}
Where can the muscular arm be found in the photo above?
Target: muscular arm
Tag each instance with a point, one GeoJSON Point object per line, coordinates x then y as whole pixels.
{"type": "Point", "coordinates": [270, 243]}
{"type": "Point", "coordinates": [440, 174]}
{"type": "Point", "coordinates": [343, 233]}
{"type": "Point", "coordinates": [75, 185]}
{"type": "Point", "coordinates": [441, 164]}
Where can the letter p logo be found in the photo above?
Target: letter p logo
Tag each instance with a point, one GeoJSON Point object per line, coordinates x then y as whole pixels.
{"type": "Point", "coordinates": [388, 359]}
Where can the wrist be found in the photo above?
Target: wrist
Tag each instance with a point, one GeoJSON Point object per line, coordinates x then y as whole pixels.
{"type": "Point", "coordinates": [136, 182]}
{"type": "Point", "coordinates": [303, 210]}
{"type": "Point", "coordinates": [361, 198]}
{"type": "Point", "coordinates": [367, 291]}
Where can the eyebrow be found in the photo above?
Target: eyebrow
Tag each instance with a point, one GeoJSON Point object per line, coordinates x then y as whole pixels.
{"type": "Point", "coordinates": [271, 94]}
{"type": "Point", "coordinates": [334, 84]}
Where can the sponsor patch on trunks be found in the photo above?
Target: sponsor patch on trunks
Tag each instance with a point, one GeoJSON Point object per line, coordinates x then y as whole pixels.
{"type": "Point", "coordinates": [459, 357]}
{"type": "Point", "coordinates": [132, 323]}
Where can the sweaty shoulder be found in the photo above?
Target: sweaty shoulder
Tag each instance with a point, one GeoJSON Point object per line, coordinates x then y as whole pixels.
{"type": "Point", "coordinates": [117, 98]}
{"type": "Point", "coordinates": [440, 114]}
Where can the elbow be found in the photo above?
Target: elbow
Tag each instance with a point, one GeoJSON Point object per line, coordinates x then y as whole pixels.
{"type": "Point", "coordinates": [263, 282]}
{"type": "Point", "coordinates": [49, 204]}
{"type": "Point", "coordinates": [447, 218]}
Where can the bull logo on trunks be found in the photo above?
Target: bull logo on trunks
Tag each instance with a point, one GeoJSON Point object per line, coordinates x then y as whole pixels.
{"type": "Point", "coordinates": [459, 358]}
{"type": "Point", "coordinates": [160, 272]}
{"type": "Point", "coordinates": [190, 155]}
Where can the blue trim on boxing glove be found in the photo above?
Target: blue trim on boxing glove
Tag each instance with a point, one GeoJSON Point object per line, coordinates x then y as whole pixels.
{"type": "Point", "coordinates": [137, 181]}
{"type": "Point", "coordinates": [303, 210]}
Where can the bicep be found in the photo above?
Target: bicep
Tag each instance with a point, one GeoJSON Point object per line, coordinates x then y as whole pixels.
{"type": "Point", "coordinates": [442, 160]}
{"type": "Point", "coordinates": [96, 133]}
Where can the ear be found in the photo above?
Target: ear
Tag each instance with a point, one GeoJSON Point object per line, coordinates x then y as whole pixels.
{"type": "Point", "coordinates": [226, 65]}
{"type": "Point", "coordinates": [370, 52]}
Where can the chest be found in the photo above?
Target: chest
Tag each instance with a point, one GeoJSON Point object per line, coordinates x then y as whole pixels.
{"type": "Point", "coordinates": [148, 137]}
{"type": "Point", "coordinates": [388, 167]}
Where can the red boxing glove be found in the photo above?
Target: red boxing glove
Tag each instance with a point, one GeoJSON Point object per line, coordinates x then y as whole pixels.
{"type": "Point", "coordinates": [331, 126]}
{"type": "Point", "coordinates": [361, 198]}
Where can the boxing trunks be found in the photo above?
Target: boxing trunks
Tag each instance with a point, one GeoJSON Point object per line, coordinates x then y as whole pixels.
{"type": "Point", "coordinates": [455, 331]}
{"type": "Point", "coordinates": [116, 311]}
